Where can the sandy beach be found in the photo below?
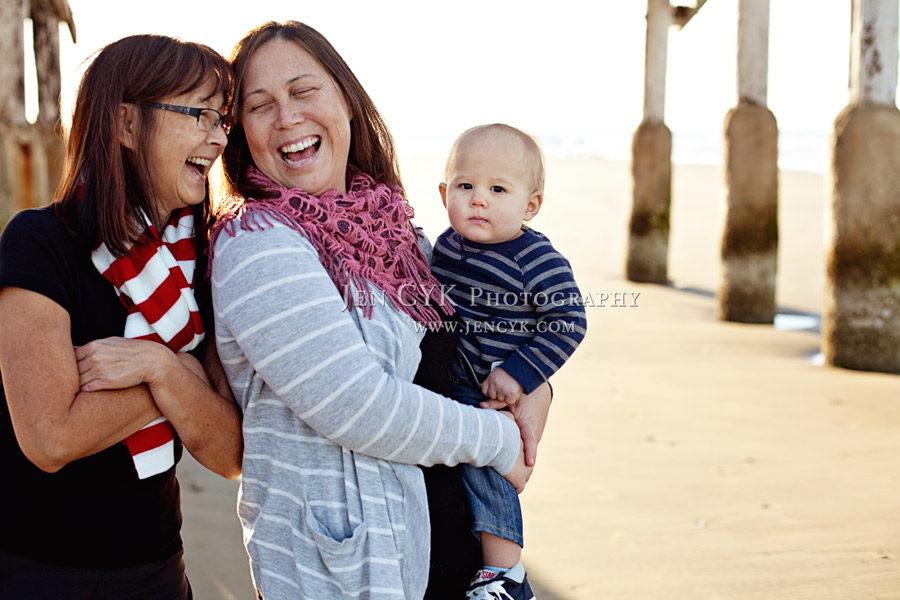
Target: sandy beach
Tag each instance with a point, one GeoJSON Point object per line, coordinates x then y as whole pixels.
{"type": "Point", "coordinates": [685, 458]}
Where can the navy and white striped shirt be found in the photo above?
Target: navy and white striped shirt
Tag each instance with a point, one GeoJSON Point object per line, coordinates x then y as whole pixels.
{"type": "Point", "coordinates": [518, 302]}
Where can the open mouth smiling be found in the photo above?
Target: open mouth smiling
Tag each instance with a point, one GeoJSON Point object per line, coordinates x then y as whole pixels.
{"type": "Point", "coordinates": [300, 151]}
{"type": "Point", "coordinates": [200, 164]}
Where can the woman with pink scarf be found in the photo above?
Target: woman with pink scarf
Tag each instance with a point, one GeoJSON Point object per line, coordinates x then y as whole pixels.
{"type": "Point", "coordinates": [322, 293]}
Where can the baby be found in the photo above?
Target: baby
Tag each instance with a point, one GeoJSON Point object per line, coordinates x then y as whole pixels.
{"type": "Point", "coordinates": [521, 313]}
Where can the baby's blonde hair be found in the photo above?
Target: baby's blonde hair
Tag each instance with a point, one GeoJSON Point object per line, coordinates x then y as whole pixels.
{"type": "Point", "coordinates": [534, 156]}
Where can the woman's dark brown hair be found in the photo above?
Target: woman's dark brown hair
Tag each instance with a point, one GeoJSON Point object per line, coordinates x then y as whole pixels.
{"type": "Point", "coordinates": [105, 186]}
{"type": "Point", "coordinates": [371, 144]}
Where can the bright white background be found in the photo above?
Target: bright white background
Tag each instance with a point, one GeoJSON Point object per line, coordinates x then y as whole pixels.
{"type": "Point", "coordinates": [569, 67]}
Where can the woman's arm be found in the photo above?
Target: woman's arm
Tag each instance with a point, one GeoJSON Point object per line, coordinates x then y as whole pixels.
{"type": "Point", "coordinates": [208, 422]}
{"type": "Point", "coordinates": [54, 422]}
{"type": "Point", "coordinates": [212, 368]}
{"type": "Point", "coordinates": [279, 310]}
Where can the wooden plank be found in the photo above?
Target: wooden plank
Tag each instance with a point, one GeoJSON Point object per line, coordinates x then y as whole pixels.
{"type": "Point", "coordinates": [46, 58]}
{"type": "Point", "coordinates": [64, 14]}
{"type": "Point", "coordinates": [683, 14]}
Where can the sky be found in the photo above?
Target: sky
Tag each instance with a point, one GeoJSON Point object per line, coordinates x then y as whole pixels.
{"type": "Point", "coordinates": [563, 68]}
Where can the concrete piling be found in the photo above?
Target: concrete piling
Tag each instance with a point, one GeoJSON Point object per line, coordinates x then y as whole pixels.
{"type": "Point", "coordinates": [750, 239]}
{"type": "Point", "coordinates": [651, 168]}
{"type": "Point", "coordinates": [861, 320]}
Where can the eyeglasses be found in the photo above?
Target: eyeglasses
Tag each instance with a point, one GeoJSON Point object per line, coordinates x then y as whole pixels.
{"type": "Point", "coordinates": [207, 118]}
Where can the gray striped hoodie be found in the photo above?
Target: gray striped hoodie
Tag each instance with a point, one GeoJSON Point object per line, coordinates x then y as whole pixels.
{"type": "Point", "coordinates": [331, 502]}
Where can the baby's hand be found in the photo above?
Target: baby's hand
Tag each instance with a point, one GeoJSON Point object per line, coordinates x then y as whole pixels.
{"type": "Point", "coordinates": [502, 386]}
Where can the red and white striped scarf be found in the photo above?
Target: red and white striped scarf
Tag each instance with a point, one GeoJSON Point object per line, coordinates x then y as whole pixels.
{"type": "Point", "coordinates": [155, 282]}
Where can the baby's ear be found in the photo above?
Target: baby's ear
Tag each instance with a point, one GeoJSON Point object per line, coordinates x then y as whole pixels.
{"type": "Point", "coordinates": [534, 205]}
{"type": "Point", "coordinates": [442, 187]}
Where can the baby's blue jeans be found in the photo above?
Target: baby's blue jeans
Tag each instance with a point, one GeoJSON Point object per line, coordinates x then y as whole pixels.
{"type": "Point", "coordinates": [494, 501]}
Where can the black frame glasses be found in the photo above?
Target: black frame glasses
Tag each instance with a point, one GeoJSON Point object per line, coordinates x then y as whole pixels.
{"type": "Point", "coordinates": [197, 113]}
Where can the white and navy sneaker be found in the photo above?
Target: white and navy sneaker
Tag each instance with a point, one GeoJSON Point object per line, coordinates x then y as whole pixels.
{"type": "Point", "coordinates": [511, 585]}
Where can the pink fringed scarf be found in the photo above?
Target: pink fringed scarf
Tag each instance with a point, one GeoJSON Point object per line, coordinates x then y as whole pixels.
{"type": "Point", "coordinates": [362, 236]}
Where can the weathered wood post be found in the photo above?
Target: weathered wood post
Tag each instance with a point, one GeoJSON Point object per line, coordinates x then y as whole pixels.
{"type": "Point", "coordinates": [861, 321]}
{"type": "Point", "coordinates": [15, 144]}
{"type": "Point", "coordinates": [12, 64]}
{"type": "Point", "coordinates": [31, 156]}
{"type": "Point", "coordinates": [651, 160]}
{"type": "Point", "coordinates": [46, 58]}
{"type": "Point", "coordinates": [750, 238]}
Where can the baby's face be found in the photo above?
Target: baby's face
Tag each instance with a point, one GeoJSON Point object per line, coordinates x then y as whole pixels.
{"type": "Point", "coordinates": [490, 190]}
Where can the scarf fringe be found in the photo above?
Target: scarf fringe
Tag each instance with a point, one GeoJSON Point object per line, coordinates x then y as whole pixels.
{"type": "Point", "coordinates": [354, 234]}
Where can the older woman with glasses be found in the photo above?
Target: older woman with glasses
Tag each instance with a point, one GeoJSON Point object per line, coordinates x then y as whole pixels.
{"type": "Point", "coordinates": [322, 291]}
{"type": "Point", "coordinates": [105, 324]}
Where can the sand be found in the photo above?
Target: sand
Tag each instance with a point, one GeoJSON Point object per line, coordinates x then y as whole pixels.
{"type": "Point", "coordinates": [685, 458]}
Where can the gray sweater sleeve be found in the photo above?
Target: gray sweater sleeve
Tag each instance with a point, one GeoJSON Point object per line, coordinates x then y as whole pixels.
{"type": "Point", "coordinates": [275, 300]}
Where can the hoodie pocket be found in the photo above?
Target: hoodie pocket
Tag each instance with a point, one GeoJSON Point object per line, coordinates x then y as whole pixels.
{"type": "Point", "coordinates": [342, 555]}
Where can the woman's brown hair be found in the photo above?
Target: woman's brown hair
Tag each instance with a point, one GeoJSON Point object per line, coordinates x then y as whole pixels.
{"type": "Point", "coordinates": [106, 187]}
{"type": "Point", "coordinates": [371, 144]}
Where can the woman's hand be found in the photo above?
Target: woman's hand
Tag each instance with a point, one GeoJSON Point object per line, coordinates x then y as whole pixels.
{"type": "Point", "coordinates": [520, 473]}
{"type": "Point", "coordinates": [531, 413]}
{"type": "Point", "coordinates": [116, 363]}
{"type": "Point", "coordinates": [207, 419]}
